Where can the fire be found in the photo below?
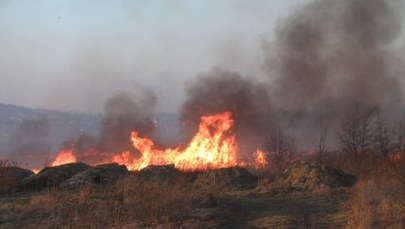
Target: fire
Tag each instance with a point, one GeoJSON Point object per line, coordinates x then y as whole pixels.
{"type": "Point", "coordinates": [64, 157]}
{"type": "Point", "coordinates": [260, 159]}
{"type": "Point", "coordinates": [214, 146]}
{"type": "Point", "coordinates": [35, 170]}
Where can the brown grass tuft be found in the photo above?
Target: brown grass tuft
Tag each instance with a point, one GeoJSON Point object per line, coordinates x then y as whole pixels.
{"type": "Point", "coordinates": [378, 200]}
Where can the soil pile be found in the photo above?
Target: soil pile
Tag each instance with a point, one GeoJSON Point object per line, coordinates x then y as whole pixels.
{"type": "Point", "coordinates": [105, 174]}
{"type": "Point", "coordinates": [311, 177]}
{"type": "Point", "coordinates": [52, 176]}
{"type": "Point", "coordinates": [76, 175]}
{"type": "Point", "coordinates": [226, 179]}
{"type": "Point", "coordinates": [11, 176]}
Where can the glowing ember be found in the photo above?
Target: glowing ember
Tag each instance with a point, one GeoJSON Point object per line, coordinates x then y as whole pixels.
{"type": "Point", "coordinates": [212, 147]}
{"type": "Point", "coordinates": [64, 157]}
{"type": "Point", "coordinates": [395, 156]}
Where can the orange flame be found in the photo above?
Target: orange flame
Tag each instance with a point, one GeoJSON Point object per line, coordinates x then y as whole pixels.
{"type": "Point", "coordinates": [35, 170]}
{"type": "Point", "coordinates": [260, 159]}
{"type": "Point", "coordinates": [212, 147]}
{"type": "Point", "coordinates": [64, 157]}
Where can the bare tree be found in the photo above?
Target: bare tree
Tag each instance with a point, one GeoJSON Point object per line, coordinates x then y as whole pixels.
{"type": "Point", "coordinates": [384, 137]}
{"type": "Point", "coordinates": [401, 137]}
{"type": "Point", "coordinates": [356, 132]}
{"type": "Point", "coordinates": [321, 147]}
{"type": "Point", "coordinates": [281, 147]}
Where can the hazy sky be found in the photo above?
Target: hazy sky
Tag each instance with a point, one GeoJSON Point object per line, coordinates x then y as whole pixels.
{"type": "Point", "coordinates": [71, 55]}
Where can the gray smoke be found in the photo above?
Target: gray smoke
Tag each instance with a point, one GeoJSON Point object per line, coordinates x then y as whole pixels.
{"type": "Point", "coordinates": [29, 141]}
{"type": "Point", "coordinates": [122, 115]}
{"type": "Point", "coordinates": [334, 55]}
{"type": "Point", "coordinates": [328, 57]}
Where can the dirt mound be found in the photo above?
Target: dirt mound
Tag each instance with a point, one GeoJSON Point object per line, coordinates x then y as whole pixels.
{"type": "Point", "coordinates": [310, 177]}
{"type": "Point", "coordinates": [161, 173]}
{"type": "Point", "coordinates": [76, 175]}
{"type": "Point", "coordinates": [10, 177]}
{"type": "Point", "coordinates": [52, 176]}
{"type": "Point", "coordinates": [226, 179]}
{"type": "Point", "coordinates": [102, 174]}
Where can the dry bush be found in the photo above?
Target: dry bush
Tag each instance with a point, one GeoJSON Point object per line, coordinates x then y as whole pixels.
{"type": "Point", "coordinates": [378, 200]}
{"type": "Point", "coordinates": [154, 202]}
{"type": "Point", "coordinates": [269, 174]}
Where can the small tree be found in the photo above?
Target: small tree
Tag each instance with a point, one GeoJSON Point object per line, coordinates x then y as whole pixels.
{"type": "Point", "coordinates": [281, 148]}
{"type": "Point", "coordinates": [356, 132]}
{"type": "Point", "coordinates": [321, 147]}
{"type": "Point", "coordinates": [384, 137]}
{"type": "Point", "coordinates": [401, 137]}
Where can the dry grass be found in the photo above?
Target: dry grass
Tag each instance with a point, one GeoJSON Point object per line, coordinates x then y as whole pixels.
{"type": "Point", "coordinates": [8, 183]}
{"type": "Point", "coordinates": [157, 202]}
{"type": "Point", "coordinates": [7, 180]}
{"type": "Point", "coordinates": [128, 204]}
{"type": "Point", "coordinates": [378, 200]}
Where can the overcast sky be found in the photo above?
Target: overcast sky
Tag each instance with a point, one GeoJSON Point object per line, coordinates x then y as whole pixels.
{"type": "Point", "coordinates": [71, 55]}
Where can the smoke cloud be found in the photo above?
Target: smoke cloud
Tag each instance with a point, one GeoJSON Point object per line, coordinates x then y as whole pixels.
{"type": "Point", "coordinates": [122, 115]}
{"type": "Point", "coordinates": [332, 55]}
{"type": "Point", "coordinates": [327, 58]}
{"type": "Point", "coordinates": [29, 141]}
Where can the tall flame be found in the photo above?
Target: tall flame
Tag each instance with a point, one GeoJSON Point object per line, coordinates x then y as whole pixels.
{"type": "Point", "coordinates": [212, 147]}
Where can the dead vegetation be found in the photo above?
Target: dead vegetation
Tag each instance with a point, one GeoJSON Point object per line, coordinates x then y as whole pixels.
{"type": "Point", "coordinates": [378, 200]}
{"type": "Point", "coordinates": [163, 197]}
{"type": "Point", "coordinates": [128, 204]}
